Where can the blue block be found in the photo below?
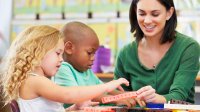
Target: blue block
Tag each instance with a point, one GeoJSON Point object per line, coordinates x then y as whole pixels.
{"type": "Point", "coordinates": [155, 105]}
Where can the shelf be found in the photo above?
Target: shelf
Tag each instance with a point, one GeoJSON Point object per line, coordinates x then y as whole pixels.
{"type": "Point", "coordinates": [86, 20]}
{"type": "Point", "coordinates": [106, 75]}
{"type": "Point", "coordinates": [29, 20]}
{"type": "Point", "coordinates": [64, 21]}
{"type": "Point", "coordinates": [198, 77]}
{"type": "Point", "coordinates": [110, 75]}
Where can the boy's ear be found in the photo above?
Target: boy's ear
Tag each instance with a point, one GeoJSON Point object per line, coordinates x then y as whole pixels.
{"type": "Point", "coordinates": [68, 47]}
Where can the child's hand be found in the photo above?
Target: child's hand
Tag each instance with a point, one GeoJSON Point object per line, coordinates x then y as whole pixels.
{"type": "Point", "coordinates": [116, 84]}
{"type": "Point", "coordinates": [129, 102]}
{"type": "Point", "coordinates": [140, 102]}
{"type": "Point", "coordinates": [80, 106]}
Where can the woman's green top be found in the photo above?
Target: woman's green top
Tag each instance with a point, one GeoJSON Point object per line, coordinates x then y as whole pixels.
{"type": "Point", "coordinates": [174, 76]}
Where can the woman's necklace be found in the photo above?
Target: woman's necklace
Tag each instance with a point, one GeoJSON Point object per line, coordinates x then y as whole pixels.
{"type": "Point", "coordinates": [154, 66]}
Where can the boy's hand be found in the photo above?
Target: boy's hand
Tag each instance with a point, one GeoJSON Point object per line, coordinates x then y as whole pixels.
{"type": "Point", "coordinates": [116, 84]}
{"type": "Point", "coordinates": [129, 102]}
{"type": "Point", "coordinates": [141, 103]}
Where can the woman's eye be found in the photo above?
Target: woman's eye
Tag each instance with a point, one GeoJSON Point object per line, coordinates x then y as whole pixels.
{"type": "Point", "coordinates": [141, 14]}
{"type": "Point", "coordinates": [155, 15]}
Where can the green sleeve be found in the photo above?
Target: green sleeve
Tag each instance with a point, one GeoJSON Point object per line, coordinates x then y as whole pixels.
{"type": "Point", "coordinates": [119, 69]}
{"type": "Point", "coordinates": [185, 76]}
{"type": "Point", "coordinates": [98, 81]}
{"type": "Point", "coordinates": [64, 77]}
{"type": "Point", "coordinates": [95, 78]}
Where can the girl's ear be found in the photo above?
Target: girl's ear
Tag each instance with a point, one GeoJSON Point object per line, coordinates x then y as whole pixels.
{"type": "Point", "coordinates": [68, 47]}
{"type": "Point", "coordinates": [169, 13]}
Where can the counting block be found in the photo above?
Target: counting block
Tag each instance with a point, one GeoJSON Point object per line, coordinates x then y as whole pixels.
{"type": "Point", "coordinates": [118, 97]}
{"type": "Point", "coordinates": [173, 101]}
{"type": "Point", "coordinates": [98, 109]}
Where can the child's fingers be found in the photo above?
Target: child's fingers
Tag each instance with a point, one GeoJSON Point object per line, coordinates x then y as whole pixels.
{"type": "Point", "coordinates": [143, 103]}
{"type": "Point", "coordinates": [87, 104]}
{"type": "Point", "coordinates": [94, 103]}
{"type": "Point", "coordinates": [124, 102]}
{"type": "Point", "coordinates": [124, 81]}
{"type": "Point", "coordinates": [132, 102]}
{"type": "Point", "coordinates": [120, 88]}
{"type": "Point", "coordinates": [116, 84]}
{"type": "Point", "coordinates": [140, 102]}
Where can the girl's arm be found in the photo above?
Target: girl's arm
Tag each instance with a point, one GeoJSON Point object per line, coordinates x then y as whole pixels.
{"type": "Point", "coordinates": [49, 90]}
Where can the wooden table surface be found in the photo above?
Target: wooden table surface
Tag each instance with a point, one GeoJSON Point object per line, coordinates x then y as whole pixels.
{"type": "Point", "coordinates": [110, 75]}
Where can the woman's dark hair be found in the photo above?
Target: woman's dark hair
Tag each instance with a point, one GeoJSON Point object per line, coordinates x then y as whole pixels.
{"type": "Point", "coordinates": [169, 30]}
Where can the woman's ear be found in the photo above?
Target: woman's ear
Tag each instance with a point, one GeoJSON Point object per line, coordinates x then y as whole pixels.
{"type": "Point", "coordinates": [68, 47]}
{"type": "Point", "coordinates": [170, 13]}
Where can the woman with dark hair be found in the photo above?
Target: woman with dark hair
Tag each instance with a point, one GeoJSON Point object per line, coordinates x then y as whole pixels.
{"type": "Point", "coordinates": [161, 64]}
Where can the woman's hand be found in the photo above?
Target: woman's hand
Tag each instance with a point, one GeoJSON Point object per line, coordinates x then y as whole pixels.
{"type": "Point", "coordinates": [147, 93]}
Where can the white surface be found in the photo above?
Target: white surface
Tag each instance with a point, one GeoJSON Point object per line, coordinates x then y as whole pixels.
{"type": "Point", "coordinates": [6, 14]}
{"type": "Point", "coordinates": [197, 89]}
{"type": "Point", "coordinates": [5, 11]}
{"type": "Point", "coordinates": [180, 106]}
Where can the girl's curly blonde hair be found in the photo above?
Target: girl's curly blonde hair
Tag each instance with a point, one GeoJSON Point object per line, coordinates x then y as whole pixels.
{"type": "Point", "coordinates": [25, 53]}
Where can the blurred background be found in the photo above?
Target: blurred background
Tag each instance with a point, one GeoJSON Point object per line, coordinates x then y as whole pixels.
{"type": "Point", "coordinates": [109, 19]}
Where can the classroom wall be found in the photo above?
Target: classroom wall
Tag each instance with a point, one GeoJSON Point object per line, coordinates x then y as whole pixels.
{"type": "Point", "coordinates": [5, 20]}
{"type": "Point", "coordinates": [188, 24]}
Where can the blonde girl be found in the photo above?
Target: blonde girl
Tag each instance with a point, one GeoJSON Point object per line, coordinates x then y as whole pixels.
{"type": "Point", "coordinates": [35, 56]}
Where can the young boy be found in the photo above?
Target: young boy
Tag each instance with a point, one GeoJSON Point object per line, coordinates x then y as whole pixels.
{"type": "Point", "coordinates": [81, 43]}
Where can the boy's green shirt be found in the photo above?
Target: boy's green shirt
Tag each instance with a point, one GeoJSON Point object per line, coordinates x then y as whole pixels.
{"type": "Point", "coordinates": [68, 76]}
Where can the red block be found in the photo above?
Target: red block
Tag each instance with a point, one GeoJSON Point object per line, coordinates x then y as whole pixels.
{"type": "Point", "coordinates": [119, 97]}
